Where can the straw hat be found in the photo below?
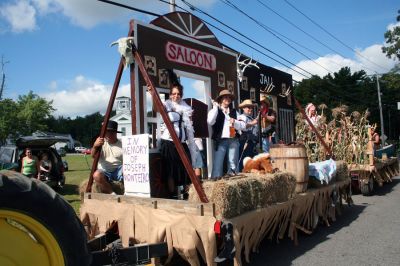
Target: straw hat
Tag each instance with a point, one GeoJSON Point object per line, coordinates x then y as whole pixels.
{"type": "Point", "coordinates": [225, 93]}
{"type": "Point", "coordinates": [266, 99]}
{"type": "Point", "coordinates": [246, 103]}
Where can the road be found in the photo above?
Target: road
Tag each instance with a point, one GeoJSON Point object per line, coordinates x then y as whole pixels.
{"type": "Point", "coordinates": [367, 233]}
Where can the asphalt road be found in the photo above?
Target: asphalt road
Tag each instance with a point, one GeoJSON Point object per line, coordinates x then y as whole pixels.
{"type": "Point", "coordinates": [367, 233]}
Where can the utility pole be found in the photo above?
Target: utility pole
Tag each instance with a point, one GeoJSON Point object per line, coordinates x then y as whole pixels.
{"type": "Point", "coordinates": [380, 112]}
{"type": "Point", "coordinates": [172, 6]}
{"type": "Point", "coordinates": [3, 77]}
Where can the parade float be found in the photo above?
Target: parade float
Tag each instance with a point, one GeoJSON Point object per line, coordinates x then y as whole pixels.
{"type": "Point", "coordinates": [272, 202]}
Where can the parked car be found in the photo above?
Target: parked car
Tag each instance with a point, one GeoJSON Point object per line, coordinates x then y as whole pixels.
{"type": "Point", "coordinates": [11, 155]}
{"type": "Point", "coordinates": [87, 151]}
{"type": "Point", "coordinates": [80, 149]}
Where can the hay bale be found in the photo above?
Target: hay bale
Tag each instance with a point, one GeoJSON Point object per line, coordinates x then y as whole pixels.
{"type": "Point", "coordinates": [118, 187]}
{"type": "Point", "coordinates": [247, 192]}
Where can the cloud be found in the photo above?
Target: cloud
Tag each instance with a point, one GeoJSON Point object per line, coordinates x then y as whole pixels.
{"type": "Point", "coordinates": [370, 59]}
{"type": "Point", "coordinates": [20, 15]}
{"type": "Point", "coordinates": [392, 26]}
{"type": "Point", "coordinates": [199, 89]}
{"type": "Point", "coordinates": [82, 97]}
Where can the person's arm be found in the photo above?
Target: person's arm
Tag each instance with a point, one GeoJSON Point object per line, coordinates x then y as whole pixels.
{"type": "Point", "coordinates": [97, 146]}
{"type": "Point", "coordinates": [212, 114]}
{"type": "Point", "coordinates": [376, 139]}
{"type": "Point", "coordinates": [41, 168]}
{"type": "Point", "coordinates": [238, 124]}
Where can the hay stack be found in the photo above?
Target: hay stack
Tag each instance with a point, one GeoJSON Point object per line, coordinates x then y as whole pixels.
{"type": "Point", "coordinates": [247, 192]}
{"type": "Point", "coordinates": [118, 187]}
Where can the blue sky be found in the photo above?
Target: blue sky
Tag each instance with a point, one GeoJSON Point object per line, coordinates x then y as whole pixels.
{"type": "Point", "coordinates": [60, 49]}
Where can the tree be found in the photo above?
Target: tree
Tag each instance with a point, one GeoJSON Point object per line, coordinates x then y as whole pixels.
{"type": "Point", "coordinates": [32, 113]}
{"type": "Point", "coordinates": [392, 38]}
{"type": "Point", "coordinates": [8, 118]}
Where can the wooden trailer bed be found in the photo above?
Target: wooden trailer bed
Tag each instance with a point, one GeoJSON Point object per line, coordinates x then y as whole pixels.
{"type": "Point", "coordinates": [189, 227]}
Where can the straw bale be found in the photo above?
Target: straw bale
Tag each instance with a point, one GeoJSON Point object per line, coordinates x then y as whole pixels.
{"type": "Point", "coordinates": [246, 192]}
{"type": "Point", "coordinates": [118, 187]}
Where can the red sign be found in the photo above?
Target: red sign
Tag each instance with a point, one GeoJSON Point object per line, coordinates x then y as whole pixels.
{"type": "Point", "coordinates": [189, 56]}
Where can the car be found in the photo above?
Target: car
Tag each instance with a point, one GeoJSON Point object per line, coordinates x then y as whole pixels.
{"type": "Point", "coordinates": [11, 156]}
{"type": "Point", "coordinates": [80, 149]}
{"type": "Point", "coordinates": [87, 151]}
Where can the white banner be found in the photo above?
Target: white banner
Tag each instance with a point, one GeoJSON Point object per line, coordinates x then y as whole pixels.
{"type": "Point", "coordinates": [136, 165]}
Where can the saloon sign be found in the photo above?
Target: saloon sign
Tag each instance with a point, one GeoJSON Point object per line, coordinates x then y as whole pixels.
{"type": "Point", "coordinates": [188, 56]}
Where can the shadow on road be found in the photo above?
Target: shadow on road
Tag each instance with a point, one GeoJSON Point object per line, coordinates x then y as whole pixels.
{"type": "Point", "coordinates": [284, 252]}
{"type": "Point", "coordinates": [387, 187]}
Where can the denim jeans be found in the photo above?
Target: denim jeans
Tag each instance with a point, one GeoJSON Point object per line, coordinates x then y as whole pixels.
{"type": "Point", "coordinates": [225, 147]}
{"type": "Point", "coordinates": [267, 141]}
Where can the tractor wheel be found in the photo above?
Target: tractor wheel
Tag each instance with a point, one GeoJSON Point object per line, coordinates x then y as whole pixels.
{"type": "Point", "coordinates": [367, 188]}
{"type": "Point", "coordinates": [37, 226]}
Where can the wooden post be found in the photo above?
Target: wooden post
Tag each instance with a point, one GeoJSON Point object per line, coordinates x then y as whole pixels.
{"type": "Point", "coordinates": [370, 148]}
{"type": "Point", "coordinates": [107, 117]}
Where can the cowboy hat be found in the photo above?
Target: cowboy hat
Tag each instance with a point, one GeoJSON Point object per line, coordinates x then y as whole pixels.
{"type": "Point", "coordinates": [246, 103]}
{"type": "Point", "coordinates": [113, 126]}
{"type": "Point", "coordinates": [224, 93]}
{"type": "Point", "coordinates": [266, 99]}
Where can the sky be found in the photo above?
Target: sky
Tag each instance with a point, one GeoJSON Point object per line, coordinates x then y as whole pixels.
{"type": "Point", "coordinates": [60, 49]}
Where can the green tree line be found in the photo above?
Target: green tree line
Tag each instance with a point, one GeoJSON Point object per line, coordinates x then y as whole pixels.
{"type": "Point", "coordinates": [30, 113]}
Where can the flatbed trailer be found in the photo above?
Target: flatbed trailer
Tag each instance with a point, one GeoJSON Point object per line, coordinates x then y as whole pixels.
{"type": "Point", "coordinates": [188, 228]}
{"type": "Point", "coordinates": [365, 176]}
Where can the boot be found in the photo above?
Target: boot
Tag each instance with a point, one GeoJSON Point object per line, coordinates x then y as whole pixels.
{"type": "Point", "coordinates": [228, 252]}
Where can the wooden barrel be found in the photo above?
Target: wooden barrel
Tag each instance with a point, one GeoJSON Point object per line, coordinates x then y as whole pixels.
{"type": "Point", "coordinates": [292, 159]}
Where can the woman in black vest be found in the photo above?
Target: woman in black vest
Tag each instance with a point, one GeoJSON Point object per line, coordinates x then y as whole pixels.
{"type": "Point", "coordinates": [223, 119]}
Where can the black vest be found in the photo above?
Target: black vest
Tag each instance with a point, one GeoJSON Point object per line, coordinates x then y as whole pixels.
{"type": "Point", "coordinates": [219, 123]}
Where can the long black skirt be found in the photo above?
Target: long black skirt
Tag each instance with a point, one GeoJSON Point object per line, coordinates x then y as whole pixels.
{"type": "Point", "coordinates": [172, 163]}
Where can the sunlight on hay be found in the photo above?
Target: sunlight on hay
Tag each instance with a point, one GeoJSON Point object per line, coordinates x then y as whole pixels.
{"type": "Point", "coordinates": [246, 192]}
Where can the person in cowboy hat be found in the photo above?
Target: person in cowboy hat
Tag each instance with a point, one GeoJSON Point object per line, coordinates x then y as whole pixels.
{"type": "Point", "coordinates": [248, 137]}
{"type": "Point", "coordinates": [225, 126]}
{"type": "Point", "coordinates": [109, 167]}
{"type": "Point", "coordinates": [268, 121]}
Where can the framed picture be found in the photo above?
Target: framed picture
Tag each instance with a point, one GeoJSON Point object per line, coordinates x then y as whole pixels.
{"type": "Point", "coordinates": [150, 65]}
{"type": "Point", "coordinates": [163, 79]}
{"type": "Point", "coordinates": [244, 84]}
{"type": "Point", "coordinates": [253, 94]}
{"type": "Point", "coordinates": [230, 86]}
{"type": "Point", "coordinates": [221, 79]}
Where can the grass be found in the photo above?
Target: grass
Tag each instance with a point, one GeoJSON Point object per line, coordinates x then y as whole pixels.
{"type": "Point", "coordinates": [78, 170]}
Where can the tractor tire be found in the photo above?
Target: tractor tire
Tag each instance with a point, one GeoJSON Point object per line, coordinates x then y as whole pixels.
{"type": "Point", "coordinates": [37, 226]}
{"type": "Point", "coordinates": [367, 189]}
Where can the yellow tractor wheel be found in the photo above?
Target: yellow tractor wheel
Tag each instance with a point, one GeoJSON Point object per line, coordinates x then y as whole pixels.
{"type": "Point", "coordinates": [37, 226]}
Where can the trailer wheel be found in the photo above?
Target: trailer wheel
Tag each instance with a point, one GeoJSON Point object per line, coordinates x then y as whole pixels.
{"type": "Point", "coordinates": [367, 188]}
{"type": "Point", "coordinates": [37, 226]}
